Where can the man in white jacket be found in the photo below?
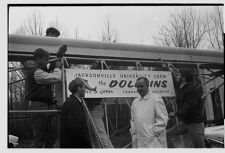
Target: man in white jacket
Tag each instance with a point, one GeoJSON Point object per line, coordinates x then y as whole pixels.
{"type": "Point", "coordinates": [148, 118]}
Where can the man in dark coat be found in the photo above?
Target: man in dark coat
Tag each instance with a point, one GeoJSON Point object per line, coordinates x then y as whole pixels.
{"type": "Point", "coordinates": [189, 111]}
{"type": "Point", "coordinates": [74, 129]}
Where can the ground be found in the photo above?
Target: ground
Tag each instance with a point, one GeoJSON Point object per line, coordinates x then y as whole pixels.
{"type": "Point", "coordinates": [122, 139]}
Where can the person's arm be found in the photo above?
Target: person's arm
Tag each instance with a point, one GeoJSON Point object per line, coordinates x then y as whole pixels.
{"type": "Point", "coordinates": [132, 123]}
{"type": "Point", "coordinates": [42, 77]}
{"type": "Point", "coordinates": [161, 117]}
{"type": "Point", "coordinates": [133, 129]}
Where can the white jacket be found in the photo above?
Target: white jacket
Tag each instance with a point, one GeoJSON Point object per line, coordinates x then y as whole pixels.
{"type": "Point", "coordinates": [148, 122]}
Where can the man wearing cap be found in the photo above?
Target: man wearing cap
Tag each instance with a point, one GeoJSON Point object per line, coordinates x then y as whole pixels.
{"type": "Point", "coordinates": [52, 32]}
{"type": "Point", "coordinates": [74, 128]}
{"type": "Point", "coordinates": [39, 96]}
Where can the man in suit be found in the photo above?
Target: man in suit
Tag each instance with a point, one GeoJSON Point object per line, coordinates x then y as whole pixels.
{"type": "Point", "coordinates": [74, 129]}
{"type": "Point", "coordinates": [148, 118]}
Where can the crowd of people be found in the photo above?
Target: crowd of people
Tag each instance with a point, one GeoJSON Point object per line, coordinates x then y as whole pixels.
{"type": "Point", "coordinates": [81, 119]}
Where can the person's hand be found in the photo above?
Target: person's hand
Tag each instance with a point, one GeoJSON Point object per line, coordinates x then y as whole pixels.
{"type": "Point", "coordinates": [51, 67]}
{"type": "Point", "coordinates": [62, 50]}
{"type": "Point", "coordinates": [58, 64]}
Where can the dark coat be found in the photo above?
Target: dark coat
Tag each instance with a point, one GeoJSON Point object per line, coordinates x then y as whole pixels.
{"type": "Point", "coordinates": [74, 129]}
{"type": "Point", "coordinates": [35, 91]}
{"type": "Point", "coordinates": [190, 105]}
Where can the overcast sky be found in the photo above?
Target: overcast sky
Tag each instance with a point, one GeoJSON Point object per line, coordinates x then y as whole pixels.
{"type": "Point", "coordinates": [134, 24]}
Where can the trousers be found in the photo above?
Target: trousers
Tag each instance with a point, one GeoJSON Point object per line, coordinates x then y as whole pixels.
{"type": "Point", "coordinates": [194, 130]}
{"type": "Point", "coordinates": [42, 123]}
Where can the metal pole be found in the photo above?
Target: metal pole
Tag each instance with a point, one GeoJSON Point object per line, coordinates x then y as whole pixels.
{"type": "Point", "coordinates": [66, 62]}
{"type": "Point", "coordinates": [208, 70]}
{"type": "Point", "coordinates": [127, 102]}
{"type": "Point", "coordinates": [138, 64]}
{"type": "Point", "coordinates": [117, 107]}
{"type": "Point", "coordinates": [106, 118]}
{"type": "Point", "coordinates": [63, 80]}
{"type": "Point", "coordinates": [34, 111]}
{"type": "Point", "coordinates": [15, 81]}
{"type": "Point", "coordinates": [174, 104]}
{"type": "Point", "coordinates": [105, 65]}
{"type": "Point", "coordinates": [63, 89]}
{"type": "Point", "coordinates": [124, 128]}
{"type": "Point", "coordinates": [206, 94]}
{"type": "Point", "coordinates": [207, 82]}
{"type": "Point", "coordinates": [19, 68]}
{"type": "Point", "coordinates": [128, 145]}
{"type": "Point", "coordinates": [181, 137]}
{"type": "Point", "coordinates": [105, 107]}
{"type": "Point", "coordinates": [92, 123]}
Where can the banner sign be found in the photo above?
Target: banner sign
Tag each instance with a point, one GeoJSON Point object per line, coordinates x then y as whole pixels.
{"type": "Point", "coordinates": [121, 83]}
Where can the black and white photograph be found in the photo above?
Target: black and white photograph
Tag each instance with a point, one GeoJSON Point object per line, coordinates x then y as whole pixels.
{"type": "Point", "coordinates": [120, 75]}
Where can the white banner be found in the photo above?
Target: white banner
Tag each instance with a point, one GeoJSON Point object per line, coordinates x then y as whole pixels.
{"type": "Point", "coordinates": [121, 83]}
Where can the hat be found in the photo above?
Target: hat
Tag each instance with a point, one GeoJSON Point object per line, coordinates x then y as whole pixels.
{"type": "Point", "coordinates": [53, 31]}
{"type": "Point", "coordinates": [40, 53]}
{"type": "Point", "coordinates": [73, 85]}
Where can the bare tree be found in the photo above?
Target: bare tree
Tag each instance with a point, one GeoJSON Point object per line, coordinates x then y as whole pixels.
{"type": "Point", "coordinates": [184, 29]}
{"type": "Point", "coordinates": [76, 34]}
{"type": "Point", "coordinates": [33, 25]}
{"type": "Point", "coordinates": [16, 88]}
{"type": "Point", "coordinates": [109, 33]}
{"type": "Point", "coordinates": [215, 29]}
{"type": "Point", "coordinates": [21, 31]}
